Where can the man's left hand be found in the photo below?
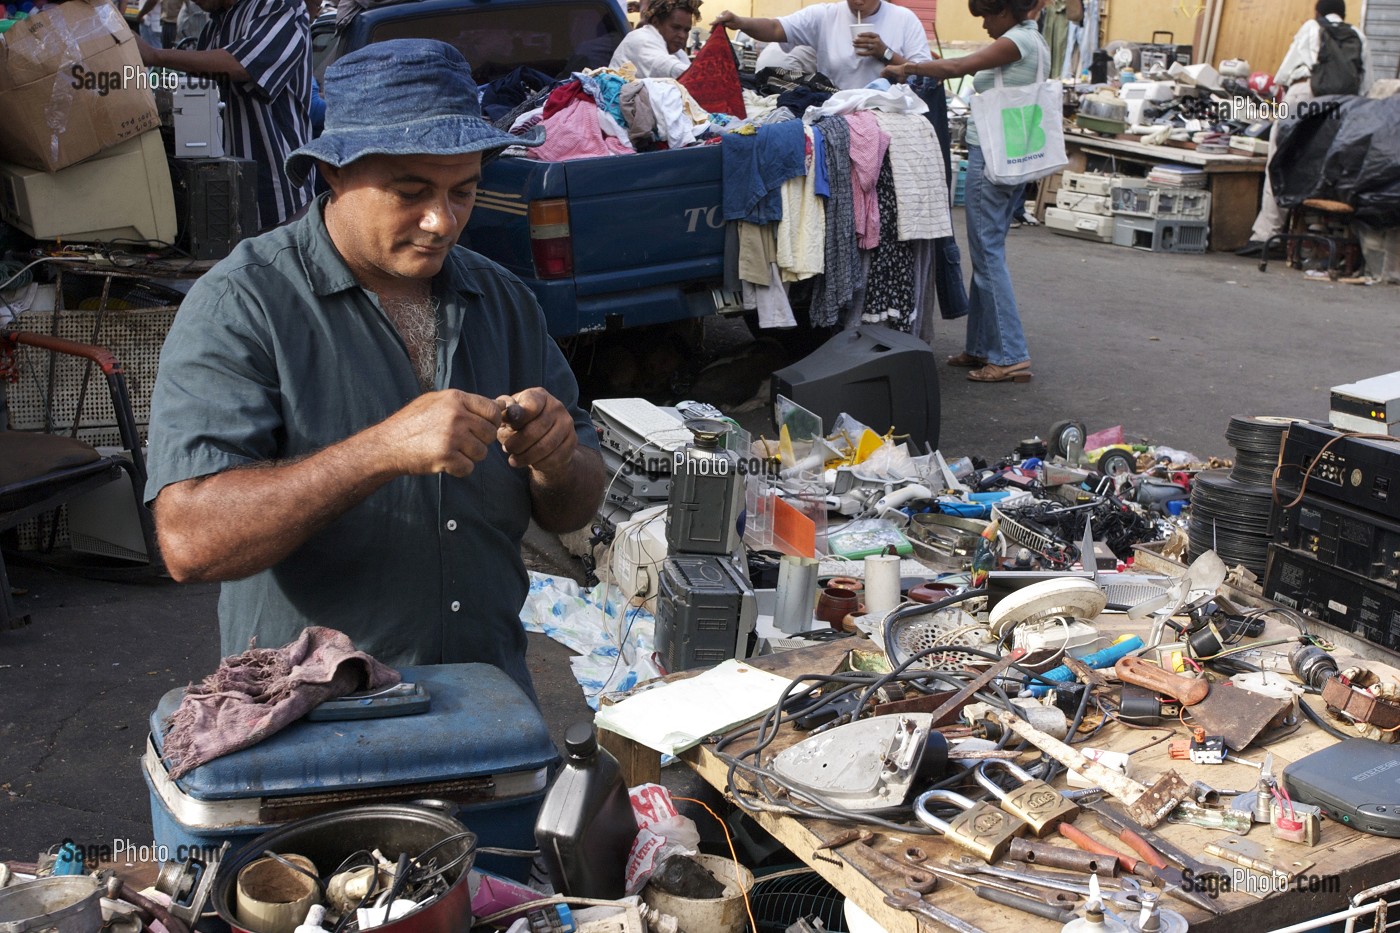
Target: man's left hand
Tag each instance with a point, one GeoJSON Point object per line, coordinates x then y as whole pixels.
{"type": "Point", "coordinates": [536, 430]}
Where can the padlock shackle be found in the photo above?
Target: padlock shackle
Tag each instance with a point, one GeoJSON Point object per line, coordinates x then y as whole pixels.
{"type": "Point", "coordinates": [982, 777]}
{"type": "Point", "coordinates": [921, 810]}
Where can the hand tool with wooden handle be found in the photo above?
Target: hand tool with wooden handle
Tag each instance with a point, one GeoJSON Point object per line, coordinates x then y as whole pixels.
{"type": "Point", "coordinates": [1148, 805]}
{"type": "Point", "coordinates": [1142, 672]}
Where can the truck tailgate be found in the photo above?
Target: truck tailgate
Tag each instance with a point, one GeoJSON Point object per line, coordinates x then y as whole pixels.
{"type": "Point", "coordinates": [644, 220]}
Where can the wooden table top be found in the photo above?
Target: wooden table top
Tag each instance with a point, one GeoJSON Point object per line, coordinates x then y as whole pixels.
{"type": "Point", "coordinates": [1210, 162]}
{"type": "Point", "coordinates": [1356, 860]}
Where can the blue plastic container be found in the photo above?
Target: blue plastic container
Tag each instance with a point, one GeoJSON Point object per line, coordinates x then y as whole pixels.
{"type": "Point", "coordinates": [482, 744]}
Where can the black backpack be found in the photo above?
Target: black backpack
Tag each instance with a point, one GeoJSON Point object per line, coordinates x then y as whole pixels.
{"type": "Point", "coordinates": [1339, 64]}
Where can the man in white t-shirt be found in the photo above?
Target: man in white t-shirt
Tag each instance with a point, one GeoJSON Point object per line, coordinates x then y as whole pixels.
{"type": "Point", "coordinates": [892, 35]}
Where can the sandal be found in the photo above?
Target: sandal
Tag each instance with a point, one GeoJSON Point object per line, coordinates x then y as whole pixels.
{"type": "Point", "coordinates": [966, 360]}
{"type": "Point", "coordinates": [1016, 372]}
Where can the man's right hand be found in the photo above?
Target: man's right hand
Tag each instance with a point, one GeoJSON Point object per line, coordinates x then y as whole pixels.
{"type": "Point", "coordinates": [725, 18]}
{"type": "Point", "coordinates": [439, 432]}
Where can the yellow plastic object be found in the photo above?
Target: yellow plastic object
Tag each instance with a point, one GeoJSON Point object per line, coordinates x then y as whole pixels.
{"type": "Point", "coordinates": [785, 452]}
{"type": "Point", "coordinates": [869, 443]}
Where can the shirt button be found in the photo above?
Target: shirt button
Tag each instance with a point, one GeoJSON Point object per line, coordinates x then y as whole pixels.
{"type": "Point", "coordinates": [456, 605]}
{"type": "Point", "coordinates": [452, 524]}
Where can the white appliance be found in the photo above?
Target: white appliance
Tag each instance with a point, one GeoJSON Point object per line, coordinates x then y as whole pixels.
{"type": "Point", "coordinates": [199, 125]}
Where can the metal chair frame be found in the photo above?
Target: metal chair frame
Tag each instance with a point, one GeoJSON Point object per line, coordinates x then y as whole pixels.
{"type": "Point", "coordinates": [52, 489]}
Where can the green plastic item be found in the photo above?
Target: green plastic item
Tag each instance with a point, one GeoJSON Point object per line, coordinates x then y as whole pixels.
{"type": "Point", "coordinates": [866, 538]}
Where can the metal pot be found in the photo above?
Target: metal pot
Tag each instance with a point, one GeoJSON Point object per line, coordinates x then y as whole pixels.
{"type": "Point", "coordinates": [329, 838]}
{"type": "Point", "coordinates": [64, 903]}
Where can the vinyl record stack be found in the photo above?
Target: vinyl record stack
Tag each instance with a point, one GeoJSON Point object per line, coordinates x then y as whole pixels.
{"type": "Point", "coordinates": [1231, 509]}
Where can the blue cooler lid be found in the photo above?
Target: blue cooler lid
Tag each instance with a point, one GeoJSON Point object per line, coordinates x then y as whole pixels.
{"type": "Point", "coordinates": [479, 724]}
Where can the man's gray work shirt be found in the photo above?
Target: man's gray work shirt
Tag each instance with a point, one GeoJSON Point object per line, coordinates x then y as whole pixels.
{"type": "Point", "coordinates": [277, 353]}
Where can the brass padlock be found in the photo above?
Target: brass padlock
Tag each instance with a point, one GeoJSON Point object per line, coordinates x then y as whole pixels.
{"type": "Point", "coordinates": [1037, 803]}
{"type": "Point", "coordinates": [981, 828]}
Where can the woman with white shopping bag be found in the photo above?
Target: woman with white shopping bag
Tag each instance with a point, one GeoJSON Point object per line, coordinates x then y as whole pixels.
{"type": "Point", "coordinates": [1016, 135]}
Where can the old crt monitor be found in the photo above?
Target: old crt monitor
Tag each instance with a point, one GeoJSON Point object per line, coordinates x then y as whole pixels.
{"type": "Point", "coordinates": [122, 193]}
{"type": "Point", "coordinates": [881, 377]}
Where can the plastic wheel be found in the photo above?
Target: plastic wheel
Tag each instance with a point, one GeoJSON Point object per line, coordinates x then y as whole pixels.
{"type": "Point", "coordinates": [1116, 463]}
{"type": "Point", "coordinates": [1065, 433]}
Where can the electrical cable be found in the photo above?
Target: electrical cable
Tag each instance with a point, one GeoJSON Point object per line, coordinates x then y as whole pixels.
{"type": "Point", "coordinates": [760, 796]}
{"type": "Point", "coordinates": [1322, 723]}
{"type": "Point", "coordinates": [734, 857]}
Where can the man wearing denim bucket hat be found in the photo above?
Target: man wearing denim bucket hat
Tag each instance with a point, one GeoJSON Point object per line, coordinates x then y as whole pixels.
{"type": "Point", "coordinates": [355, 419]}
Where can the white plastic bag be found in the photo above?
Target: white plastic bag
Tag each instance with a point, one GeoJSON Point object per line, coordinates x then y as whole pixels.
{"type": "Point", "coordinates": [661, 833]}
{"type": "Point", "coordinates": [1021, 129]}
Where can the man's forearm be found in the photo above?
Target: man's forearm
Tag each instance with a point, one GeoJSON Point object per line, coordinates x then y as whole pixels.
{"type": "Point", "coordinates": [568, 500]}
{"type": "Point", "coordinates": [207, 61]}
{"type": "Point", "coordinates": [242, 521]}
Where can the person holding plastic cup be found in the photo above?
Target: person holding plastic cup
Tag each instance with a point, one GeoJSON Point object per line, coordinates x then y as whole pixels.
{"type": "Point", "coordinates": [853, 39]}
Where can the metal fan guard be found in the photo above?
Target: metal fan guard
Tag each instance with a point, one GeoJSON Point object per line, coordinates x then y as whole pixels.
{"type": "Point", "coordinates": [1131, 594]}
{"type": "Point", "coordinates": [949, 626]}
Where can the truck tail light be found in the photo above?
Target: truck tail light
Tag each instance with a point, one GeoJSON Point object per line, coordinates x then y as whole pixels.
{"type": "Point", "coordinates": [551, 243]}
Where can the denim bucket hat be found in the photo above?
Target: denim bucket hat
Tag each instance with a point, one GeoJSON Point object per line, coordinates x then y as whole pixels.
{"type": "Point", "coordinates": [402, 97]}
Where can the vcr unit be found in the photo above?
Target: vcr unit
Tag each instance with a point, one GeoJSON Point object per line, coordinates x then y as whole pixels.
{"type": "Point", "coordinates": [1345, 600]}
{"type": "Point", "coordinates": [1359, 472]}
{"type": "Point", "coordinates": [1349, 539]}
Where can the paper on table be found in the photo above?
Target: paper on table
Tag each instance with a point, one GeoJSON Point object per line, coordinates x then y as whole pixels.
{"type": "Point", "coordinates": [681, 714]}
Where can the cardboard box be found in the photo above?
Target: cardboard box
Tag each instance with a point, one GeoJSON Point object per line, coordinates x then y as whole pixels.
{"type": "Point", "coordinates": [71, 85]}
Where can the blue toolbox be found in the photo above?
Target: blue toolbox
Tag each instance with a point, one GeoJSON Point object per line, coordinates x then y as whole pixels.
{"type": "Point", "coordinates": [481, 745]}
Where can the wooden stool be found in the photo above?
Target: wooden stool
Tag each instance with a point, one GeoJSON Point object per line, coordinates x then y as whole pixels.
{"type": "Point", "coordinates": [1343, 251]}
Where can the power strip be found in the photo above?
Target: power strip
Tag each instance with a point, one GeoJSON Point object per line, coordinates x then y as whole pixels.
{"type": "Point", "coordinates": [1053, 635]}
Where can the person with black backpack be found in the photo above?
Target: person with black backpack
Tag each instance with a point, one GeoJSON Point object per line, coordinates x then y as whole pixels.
{"type": "Point", "coordinates": [1328, 56]}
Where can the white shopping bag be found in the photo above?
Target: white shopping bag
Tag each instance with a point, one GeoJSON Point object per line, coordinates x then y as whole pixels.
{"type": "Point", "coordinates": [1021, 129]}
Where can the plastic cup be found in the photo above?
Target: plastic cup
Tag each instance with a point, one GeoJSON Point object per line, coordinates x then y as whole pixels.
{"type": "Point", "coordinates": [859, 29]}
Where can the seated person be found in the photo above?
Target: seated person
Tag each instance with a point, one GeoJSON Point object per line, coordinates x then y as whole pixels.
{"type": "Point", "coordinates": [800, 58]}
{"type": "Point", "coordinates": [656, 48]}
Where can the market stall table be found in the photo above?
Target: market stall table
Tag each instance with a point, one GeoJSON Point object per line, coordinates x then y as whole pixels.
{"type": "Point", "coordinates": [1233, 180]}
{"type": "Point", "coordinates": [1356, 861]}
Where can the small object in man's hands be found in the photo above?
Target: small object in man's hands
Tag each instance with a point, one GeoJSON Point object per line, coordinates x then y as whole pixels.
{"type": "Point", "coordinates": [514, 415]}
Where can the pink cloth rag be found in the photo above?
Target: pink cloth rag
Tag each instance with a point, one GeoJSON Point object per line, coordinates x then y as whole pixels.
{"type": "Point", "coordinates": [868, 146]}
{"type": "Point", "coordinates": [573, 133]}
{"type": "Point", "coordinates": [263, 690]}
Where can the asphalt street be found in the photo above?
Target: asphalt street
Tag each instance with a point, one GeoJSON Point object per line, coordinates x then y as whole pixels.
{"type": "Point", "coordinates": [1168, 346]}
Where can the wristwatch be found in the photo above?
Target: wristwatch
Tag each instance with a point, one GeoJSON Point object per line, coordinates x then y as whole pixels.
{"type": "Point", "coordinates": [887, 55]}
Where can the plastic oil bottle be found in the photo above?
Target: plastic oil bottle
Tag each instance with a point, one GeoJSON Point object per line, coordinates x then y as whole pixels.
{"type": "Point", "coordinates": [586, 826]}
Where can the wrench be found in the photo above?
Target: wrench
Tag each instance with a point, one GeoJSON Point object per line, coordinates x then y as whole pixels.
{"type": "Point", "coordinates": [913, 901]}
{"type": "Point", "coordinates": [1127, 893]}
{"type": "Point", "coordinates": [1057, 899]}
{"type": "Point", "coordinates": [915, 878]}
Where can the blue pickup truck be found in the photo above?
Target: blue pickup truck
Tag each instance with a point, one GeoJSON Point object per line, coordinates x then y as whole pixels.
{"type": "Point", "coordinates": [605, 243]}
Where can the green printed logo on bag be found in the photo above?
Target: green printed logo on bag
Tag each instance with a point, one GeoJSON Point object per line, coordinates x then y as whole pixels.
{"type": "Point", "coordinates": [1023, 132]}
